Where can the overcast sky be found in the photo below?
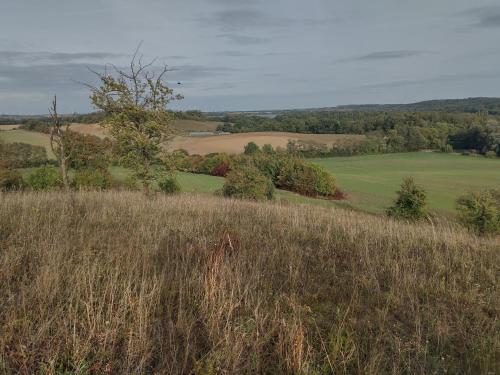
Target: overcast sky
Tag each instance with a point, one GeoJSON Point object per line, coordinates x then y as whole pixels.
{"type": "Point", "coordinates": [253, 54]}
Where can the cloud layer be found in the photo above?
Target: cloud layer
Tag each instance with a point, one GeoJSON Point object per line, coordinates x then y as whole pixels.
{"type": "Point", "coordinates": [236, 54]}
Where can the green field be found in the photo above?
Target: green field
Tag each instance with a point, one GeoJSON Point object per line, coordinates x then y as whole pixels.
{"type": "Point", "coordinates": [371, 181]}
{"type": "Point", "coordinates": [23, 136]}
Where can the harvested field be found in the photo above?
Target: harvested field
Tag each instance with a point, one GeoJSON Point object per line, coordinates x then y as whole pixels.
{"type": "Point", "coordinates": [9, 127]}
{"type": "Point", "coordinates": [179, 127]}
{"type": "Point", "coordinates": [235, 143]}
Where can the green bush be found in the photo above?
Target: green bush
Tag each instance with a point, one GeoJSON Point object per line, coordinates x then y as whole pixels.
{"type": "Point", "coordinates": [480, 211]}
{"type": "Point", "coordinates": [45, 178]}
{"type": "Point", "coordinates": [169, 185]}
{"type": "Point", "coordinates": [10, 180]}
{"type": "Point", "coordinates": [90, 179]}
{"type": "Point", "coordinates": [411, 202]}
{"type": "Point", "coordinates": [305, 178]}
{"type": "Point", "coordinates": [248, 183]}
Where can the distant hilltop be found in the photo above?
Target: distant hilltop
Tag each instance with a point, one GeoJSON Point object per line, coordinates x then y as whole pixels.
{"type": "Point", "coordinates": [469, 105]}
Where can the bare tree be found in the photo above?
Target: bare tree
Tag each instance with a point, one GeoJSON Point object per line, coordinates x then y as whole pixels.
{"type": "Point", "coordinates": [58, 142]}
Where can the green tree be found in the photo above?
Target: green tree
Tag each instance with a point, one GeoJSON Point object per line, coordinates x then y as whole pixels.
{"type": "Point", "coordinates": [136, 116]}
{"type": "Point", "coordinates": [480, 211]}
{"type": "Point", "coordinates": [251, 148]}
{"type": "Point", "coordinates": [410, 203]}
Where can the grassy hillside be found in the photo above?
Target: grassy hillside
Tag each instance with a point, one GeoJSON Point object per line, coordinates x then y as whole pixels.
{"type": "Point", "coordinates": [120, 283]}
{"type": "Point", "coordinates": [23, 136]}
{"type": "Point", "coordinates": [371, 181]}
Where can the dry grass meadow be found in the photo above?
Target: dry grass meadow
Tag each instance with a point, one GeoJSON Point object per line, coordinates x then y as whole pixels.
{"type": "Point", "coordinates": [120, 283]}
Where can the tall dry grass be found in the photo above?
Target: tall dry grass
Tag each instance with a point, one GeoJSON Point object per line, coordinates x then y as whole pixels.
{"type": "Point", "coordinates": [122, 284]}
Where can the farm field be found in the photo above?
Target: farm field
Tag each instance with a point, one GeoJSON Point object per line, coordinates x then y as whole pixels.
{"type": "Point", "coordinates": [231, 144]}
{"type": "Point", "coordinates": [9, 127]}
{"type": "Point", "coordinates": [235, 143]}
{"type": "Point", "coordinates": [371, 181]}
{"type": "Point", "coordinates": [182, 127]}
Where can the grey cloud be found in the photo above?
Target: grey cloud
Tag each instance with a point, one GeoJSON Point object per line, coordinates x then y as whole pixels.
{"type": "Point", "coordinates": [484, 17]}
{"type": "Point", "coordinates": [40, 58]}
{"type": "Point", "coordinates": [384, 55]}
{"type": "Point", "coordinates": [243, 39]}
{"type": "Point", "coordinates": [438, 79]}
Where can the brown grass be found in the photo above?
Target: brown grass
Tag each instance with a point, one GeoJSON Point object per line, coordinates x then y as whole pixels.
{"type": "Point", "coordinates": [235, 143]}
{"type": "Point", "coordinates": [118, 283]}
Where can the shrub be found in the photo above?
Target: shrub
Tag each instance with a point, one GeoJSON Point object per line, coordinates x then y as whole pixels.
{"type": "Point", "coordinates": [23, 155]}
{"type": "Point", "coordinates": [447, 148]}
{"type": "Point", "coordinates": [90, 179]}
{"type": "Point", "coordinates": [169, 185]}
{"type": "Point", "coordinates": [221, 170]}
{"type": "Point", "coordinates": [10, 180]}
{"type": "Point", "coordinates": [248, 183]}
{"type": "Point", "coordinates": [251, 148]}
{"type": "Point", "coordinates": [480, 211]}
{"type": "Point", "coordinates": [305, 178]}
{"type": "Point", "coordinates": [490, 154]}
{"type": "Point", "coordinates": [410, 203]}
{"type": "Point", "coordinates": [45, 178]}
{"type": "Point", "coordinates": [212, 161]}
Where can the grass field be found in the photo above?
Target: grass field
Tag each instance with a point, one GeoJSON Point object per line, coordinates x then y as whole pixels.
{"type": "Point", "coordinates": [23, 136]}
{"type": "Point", "coordinates": [371, 181]}
{"type": "Point", "coordinates": [120, 283]}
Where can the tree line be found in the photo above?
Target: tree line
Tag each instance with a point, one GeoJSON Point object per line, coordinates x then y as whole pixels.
{"type": "Point", "coordinates": [385, 131]}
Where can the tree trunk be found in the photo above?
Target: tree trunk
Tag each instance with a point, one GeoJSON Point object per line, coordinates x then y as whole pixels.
{"type": "Point", "coordinates": [64, 170]}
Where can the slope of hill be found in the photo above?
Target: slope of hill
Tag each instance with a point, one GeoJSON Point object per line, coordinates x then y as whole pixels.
{"type": "Point", "coordinates": [121, 283]}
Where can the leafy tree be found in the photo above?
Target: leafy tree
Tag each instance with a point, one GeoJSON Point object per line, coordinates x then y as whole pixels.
{"type": "Point", "coordinates": [87, 151]}
{"type": "Point", "coordinates": [411, 202]}
{"type": "Point", "coordinates": [251, 148]}
{"type": "Point", "coordinates": [480, 211]}
{"type": "Point", "coordinates": [135, 106]}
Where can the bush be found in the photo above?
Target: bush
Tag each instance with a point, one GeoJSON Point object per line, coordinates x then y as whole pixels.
{"type": "Point", "coordinates": [447, 148]}
{"type": "Point", "coordinates": [45, 178]}
{"type": "Point", "coordinates": [490, 154]}
{"type": "Point", "coordinates": [169, 185]}
{"type": "Point", "coordinates": [480, 211]}
{"type": "Point", "coordinates": [214, 161]}
{"type": "Point", "coordinates": [23, 155]}
{"type": "Point", "coordinates": [90, 179]}
{"type": "Point", "coordinates": [248, 183]}
{"type": "Point", "coordinates": [307, 179]}
{"type": "Point", "coordinates": [410, 203]}
{"type": "Point", "coordinates": [10, 180]}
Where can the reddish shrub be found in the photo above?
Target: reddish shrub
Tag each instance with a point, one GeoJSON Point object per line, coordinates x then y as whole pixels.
{"type": "Point", "coordinates": [221, 170]}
